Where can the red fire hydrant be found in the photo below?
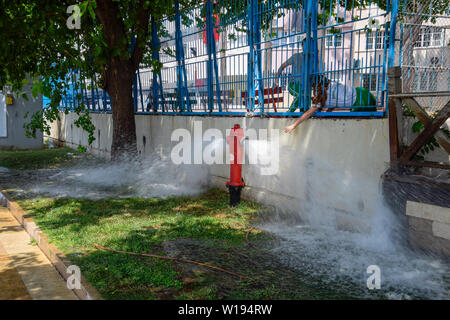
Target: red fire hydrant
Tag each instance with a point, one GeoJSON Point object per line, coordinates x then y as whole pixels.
{"type": "Point", "coordinates": [236, 182]}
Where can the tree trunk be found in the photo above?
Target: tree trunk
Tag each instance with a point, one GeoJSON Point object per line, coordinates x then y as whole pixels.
{"type": "Point", "coordinates": [120, 69]}
{"type": "Point", "coordinates": [120, 88]}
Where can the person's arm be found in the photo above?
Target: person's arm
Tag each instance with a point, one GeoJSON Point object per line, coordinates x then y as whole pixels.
{"type": "Point", "coordinates": [284, 65]}
{"type": "Point", "coordinates": [280, 70]}
{"type": "Point", "coordinates": [304, 117]}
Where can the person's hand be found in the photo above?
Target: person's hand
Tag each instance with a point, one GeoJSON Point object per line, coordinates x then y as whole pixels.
{"type": "Point", "coordinates": [289, 129]}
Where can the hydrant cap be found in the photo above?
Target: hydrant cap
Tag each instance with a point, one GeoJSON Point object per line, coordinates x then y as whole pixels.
{"type": "Point", "coordinates": [236, 126]}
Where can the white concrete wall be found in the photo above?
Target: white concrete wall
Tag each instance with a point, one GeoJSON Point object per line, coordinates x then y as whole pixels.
{"type": "Point", "coordinates": [331, 165]}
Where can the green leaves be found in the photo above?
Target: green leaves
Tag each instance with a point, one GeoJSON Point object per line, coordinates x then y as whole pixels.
{"type": "Point", "coordinates": [82, 149]}
{"type": "Point", "coordinates": [84, 122]}
{"type": "Point", "coordinates": [431, 144]}
{"type": "Point", "coordinates": [417, 126]}
{"type": "Point", "coordinates": [91, 11]}
{"type": "Point", "coordinates": [88, 6]}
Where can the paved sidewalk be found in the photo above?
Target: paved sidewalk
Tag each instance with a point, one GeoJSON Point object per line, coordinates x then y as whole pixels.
{"type": "Point", "coordinates": [25, 272]}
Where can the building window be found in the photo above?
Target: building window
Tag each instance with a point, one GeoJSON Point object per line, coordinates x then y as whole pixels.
{"type": "Point", "coordinates": [429, 37]}
{"type": "Point", "coordinates": [333, 40]}
{"type": "Point", "coordinates": [380, 40]}
{"type": "Point", "coordinates": [437, 39]}
{"type": "Point", "coordinates": [370, 39]}
{"type": "Point", "coordinates": [376, 40]}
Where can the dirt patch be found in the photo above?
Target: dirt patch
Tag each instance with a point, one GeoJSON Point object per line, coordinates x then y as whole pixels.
{"type": "Point", "coordinates": [266, 277]}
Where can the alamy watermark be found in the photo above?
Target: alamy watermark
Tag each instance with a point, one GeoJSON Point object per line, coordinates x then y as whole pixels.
{"type": "Point", "coordinates": [374, 280]}
{"type": "Point", "coordinates": [74, 20]}
{"type": "Point", "coordinates": [260, 147]}
{"type": "Point", "coordinates": [74, 280]}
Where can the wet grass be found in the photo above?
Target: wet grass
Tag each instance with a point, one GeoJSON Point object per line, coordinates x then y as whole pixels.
{"type": "Point", "coordinates": [138, 225]}
{"type": "Point", "coordinates": [202, 228]}
{"type": "Point", "coordinates": [43, 158]}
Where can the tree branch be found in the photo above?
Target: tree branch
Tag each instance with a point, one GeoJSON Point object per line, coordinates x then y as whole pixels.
{"type": "Point", "coordinates": [142, 29]}
{"type": "Point", "coordinates": [108, 14]}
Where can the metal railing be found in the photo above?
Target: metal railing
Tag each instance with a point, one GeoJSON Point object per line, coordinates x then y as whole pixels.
{"type": "Point", "coordinates": [234, 57]}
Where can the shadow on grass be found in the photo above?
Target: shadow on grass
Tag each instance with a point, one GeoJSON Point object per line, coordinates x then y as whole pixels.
{"type": "Point", "coordinates": [120, 276]}
{"type": "Point", "coordinates": [202, 228]}
{"type": "Point", "coordinates": [22, 159]}
{"type": "Point", "coordinates": [205, 216]}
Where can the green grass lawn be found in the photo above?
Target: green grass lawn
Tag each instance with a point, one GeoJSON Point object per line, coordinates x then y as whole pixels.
{"type": "Point", "coordinates": [202, 228]}
{"type": "Point", "coordinates": [141, 225]}
{"type": "Point", "coordinates": [22, 159]}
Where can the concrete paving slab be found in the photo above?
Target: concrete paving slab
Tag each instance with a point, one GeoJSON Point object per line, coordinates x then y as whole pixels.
{"type": "Point", "coordinates": [25, 272]}
{"type": "Point", "coordinates": [11, 284]}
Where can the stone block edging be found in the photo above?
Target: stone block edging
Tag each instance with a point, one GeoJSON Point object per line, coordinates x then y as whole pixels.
{"type": "Point", "coordinates": [56, 257]}
{"type": "Point", "coordinates": [428, 211]}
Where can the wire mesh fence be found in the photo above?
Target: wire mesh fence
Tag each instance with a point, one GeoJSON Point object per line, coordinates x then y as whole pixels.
{"type": "Point", "coordinates": [424, 55]}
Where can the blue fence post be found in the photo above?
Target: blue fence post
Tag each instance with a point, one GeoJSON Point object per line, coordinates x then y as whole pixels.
{"type": "Point", "coordinates": [135, 92]}
{"type": "Point", "coordinates": [392, 28]}
{"type": "Point", "coordinates": [212, 59]}
{"type": "Point", "coordinates": [81, 88]}
{"type": "Point", "coordinates": [309, 52]}
{"type": "Point", "coordinates": [178, 42]}
{"type": "Point", "coordinates": [105, 102]}
{"type": "Point", "coordinates": [209, 41]}
{"type": "Point", "coordinates": [94, 104]}
{"type": "Point", "coordinates": [140, 88]}
{"type": "Point", "coordinates": [97, 102]}
{"type": "Point", "coordinates": [84, 92]}
{"type": "Point", "coordinates": [315, 47]}
{"type": "Point", "coordinates": [214, 54]}
{"type": "Point", "coordinates": [185, 85]}
{"type": "Point", "coordinates": [256, 35]}
{"type": "Point", "coordinates": [393, 7]}
{"type": "Point", "coordinates": [73, 90]}
{"type": "Point", "coordinates": [155, 56]}
{"type": "Point", "coordinates": [181, 69]}
{"type": "Point", "coordinates": [250, 98]}
{"type": "Point", "coordinates": [135, 89]}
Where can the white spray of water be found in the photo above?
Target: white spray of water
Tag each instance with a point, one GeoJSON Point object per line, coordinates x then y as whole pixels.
{"type": "Point", "coordinates": [347, 227]}
{"type": "Point", "coordinates": [345, 224]}
{"type": "Point", "coordinates": [260, 155]}
{"type": "Point", "coordinates": [150, 177]}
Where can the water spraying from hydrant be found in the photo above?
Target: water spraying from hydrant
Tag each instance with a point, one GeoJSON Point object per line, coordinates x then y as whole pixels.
{"type": "Point", "coordinates": [236, 182]}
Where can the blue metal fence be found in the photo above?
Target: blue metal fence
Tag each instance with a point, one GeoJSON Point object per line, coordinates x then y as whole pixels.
{"type": "Point", "coordinates": [234, 57]}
